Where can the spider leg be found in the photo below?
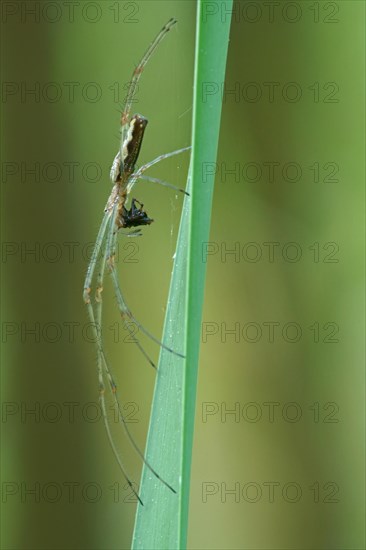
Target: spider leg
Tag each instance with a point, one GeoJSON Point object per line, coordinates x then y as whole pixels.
{"type": "Point", "coordinates": [134, 233]}
{"type": "Point", "coordinates": [164, 183]}
{"type": "Point", "coordinates": [109, 260]}
{"type": "Point", "coordinates": [124, 310]}
{"type": "Point", "coordinates": [134, 177]}
{"type": "Point", "coordinates": [125, 117]}
{"type": "Point", "coordinates": [94, 258]}
{"type": "Point", "coordinates": [96, 335]}
{"type": "Point", "coordinates": [133, 443]}
{"type": "Point", "coordinates": [103, 363]}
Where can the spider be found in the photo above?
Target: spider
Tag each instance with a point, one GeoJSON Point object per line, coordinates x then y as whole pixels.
{"type": "Point", "coordinates": [123, 176]}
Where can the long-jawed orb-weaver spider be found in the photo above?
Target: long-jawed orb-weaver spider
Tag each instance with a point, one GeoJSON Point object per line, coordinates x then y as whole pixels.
{"type": "Point", "coordinates": [123, 175]}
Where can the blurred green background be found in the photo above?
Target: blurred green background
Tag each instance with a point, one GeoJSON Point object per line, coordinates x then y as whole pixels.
{"type": "Point", "coordinates": [284, 468]}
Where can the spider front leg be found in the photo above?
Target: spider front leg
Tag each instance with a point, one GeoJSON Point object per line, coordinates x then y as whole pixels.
{"type": "Point", "coordinates": [125, 116]}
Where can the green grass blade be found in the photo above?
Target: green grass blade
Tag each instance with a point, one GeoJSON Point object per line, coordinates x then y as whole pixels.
{"type": "Point", "coordinates": [211, 53]}
{"type": "Point", "coordinates": [162, 521]}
